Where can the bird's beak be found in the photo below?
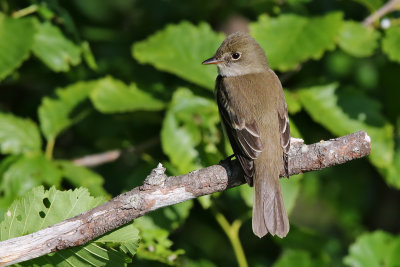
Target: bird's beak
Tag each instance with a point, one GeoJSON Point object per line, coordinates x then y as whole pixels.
{"type": "Point", "coordinates": [212, 60]}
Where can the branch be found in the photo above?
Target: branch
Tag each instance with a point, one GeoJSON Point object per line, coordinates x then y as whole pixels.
{"type": "Point", "coordinates": [112, 155]}
{"type": "Point", "coordinates": [390, 6]}
{"type": "Point", "coordinates": [158, 191]}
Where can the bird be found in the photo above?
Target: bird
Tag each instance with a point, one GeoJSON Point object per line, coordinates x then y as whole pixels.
{"type": "Point", "coordinates": [254, 114]}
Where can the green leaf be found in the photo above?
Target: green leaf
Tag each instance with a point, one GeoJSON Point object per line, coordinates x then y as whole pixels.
{"type": "Point", "coordinates": [392, 173]}
{"type": "Point", "coordinates": [357, 40]}
{"type": "Point", "coordinates": [178, 144]}
{"type": "Point", "coordinates": [390, 43]}
{"type": "Point", "coordinates": [56, 51]}
{"type": "Point", "coordinates": [182, 128]}
{"type": "Point", "coordinates": [127, 237]}
{"type": "Point", "coordinates": [299, 258]}
{"type": "Point", "coordinates": [372, 5]}
{"type": "Point", "coordinates": [24, 174]}
{"type": "Point", "coordinates": [41, 208]}
{"type": "Point", "coordinates": [293, 103]}
{"type": "Point", "coordinates": [155, 244]}
{"type": "Point", "coordinates": [374, 249]}
{"type": "Point", "coordinates": [18, 135]}
{"type": "Point", "coordinates": [289, 40]}
{"type": "Point", "coordinates": [112, 96]}
{"type": "Point", "coordinates": [82, 177]}
{"type": "Point", "coordinates": [180, 49]}
{"type": "Point", "coordinates": [345, 112]}
{"type": "Point", "coordinates": [88, 255]}
{"type": "Point", "coordinates": [56, 115]}
{"type": "Point", "coordinates": [16, 40]}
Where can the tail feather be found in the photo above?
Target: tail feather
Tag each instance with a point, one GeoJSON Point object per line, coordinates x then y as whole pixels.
{"type": "Point", "coordinates": [269, 213]}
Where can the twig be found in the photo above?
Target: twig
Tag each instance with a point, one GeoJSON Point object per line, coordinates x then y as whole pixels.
{"type": "Point", "coordinates": [390, 6]}
{"type": "Point", "coordinates": [25, 11]}
{"type": "Point", "coordinates": [158, 191]}
{"type": "Point", "coordinates": [112, 155]}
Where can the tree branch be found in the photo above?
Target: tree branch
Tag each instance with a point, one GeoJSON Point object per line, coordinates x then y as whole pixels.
{"type": "Point", "coordinates": [390, 6]}
{"type": "Point", "coordinates": [112, 155]}
{"type": "Point", "coordinates": [158, 191]}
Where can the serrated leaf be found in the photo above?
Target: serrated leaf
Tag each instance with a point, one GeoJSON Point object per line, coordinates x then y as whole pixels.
{"type": "Point", "coordinates": [82, 177]}
{"type": "Point", "coordinates": [347, 112]}
{"type": "Point", "coordinates": [41, 208]}
{"type": "Point", "coordinates": [180, 49]}
{"type": "Point", "coordinates": [88, 255]}
{"type": "Point", "coordinates": [390, 43]}
{"type": "Point", "coordinates": [112, 96]}
{"type": "Point", "coordinates": [182, 128]}
{"type": "Point", "coordinates": [18, 136]}
{"type": "Point", "coordinates": [16, 41]}
{"type": "Point", "coordinates": [374, 249]}
{"type": "Point", "coordinates": [289, 40]}
{"type": "Point", "coordinates": [357, 40]}
{"type": "Point", "coordinates": [127, 237]}
{"type": "Point", "coordinates": [55, 114]}
{"type": "Point", "coordinates": [54, 49]}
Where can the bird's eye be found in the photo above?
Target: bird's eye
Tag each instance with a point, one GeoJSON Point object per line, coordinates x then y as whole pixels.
{"type": "Point", "coordinates": [235, 56]}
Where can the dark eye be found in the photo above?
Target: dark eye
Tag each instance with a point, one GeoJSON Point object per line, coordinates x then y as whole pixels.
{"type": "Point", "coordinates": [235, 55]}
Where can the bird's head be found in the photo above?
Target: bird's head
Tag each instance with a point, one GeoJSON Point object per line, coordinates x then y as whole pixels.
{"type": "Point", "coordinates": [239, 54]}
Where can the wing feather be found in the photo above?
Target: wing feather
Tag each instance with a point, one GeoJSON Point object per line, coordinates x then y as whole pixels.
{"type": "Point", "coordinates": [243, 135]}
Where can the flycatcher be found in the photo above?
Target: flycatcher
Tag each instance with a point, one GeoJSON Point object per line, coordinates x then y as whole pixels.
{"type": "Point", "coordinates": [253, 111]}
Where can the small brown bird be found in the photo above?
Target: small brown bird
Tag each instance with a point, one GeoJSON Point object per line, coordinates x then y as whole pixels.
{"type": "Point", "coordinates": [253, 110]}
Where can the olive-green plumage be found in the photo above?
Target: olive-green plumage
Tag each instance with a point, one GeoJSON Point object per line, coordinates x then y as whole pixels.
{"type": "Point", "coordinates": [253, 111]}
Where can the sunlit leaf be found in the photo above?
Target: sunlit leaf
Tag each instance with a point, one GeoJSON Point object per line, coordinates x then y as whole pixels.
{"type": "Point", "coordinates": [56, 114]}
{"type": "Point", "coordinates": [18, 135]}
{"type": "Point", "coordinates": [345, 112]}
{"type": "Point", "coordinates": [289, 40]}
{"type": "Point", "coordinates": [127, 237]}
{"type": "Point", "coordinates": [180, 49]}
{"type": "Point", "coordinates": [358, 40]}
{"type": "Point", "coordinates": [112, 96]}
{"type": "Point", "coordinates": [374, 249]}
{"type": "Point", "coordinates": [54, 49]}
{"type": "Point", "coordinates": [16, 41]}
{"type": "Point", "coordinates": [182, 128]}
{"type": "Point", "coordinates": [41, 208]}
{"type": "Point", "coordinates": [390, 43]}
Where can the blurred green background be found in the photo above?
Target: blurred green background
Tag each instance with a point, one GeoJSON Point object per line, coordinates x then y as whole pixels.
{"type": "Point", "coordinates": [78, 78]}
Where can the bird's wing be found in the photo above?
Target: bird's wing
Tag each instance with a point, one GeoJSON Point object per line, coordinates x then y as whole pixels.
{"type": "Point", "coordinates": [284, 128]}
{"type": "Point", "coordinates": [243, 135]}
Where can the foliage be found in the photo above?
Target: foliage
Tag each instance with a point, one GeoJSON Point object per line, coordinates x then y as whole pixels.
{"type": "Point", "coordinates": [84, 77]}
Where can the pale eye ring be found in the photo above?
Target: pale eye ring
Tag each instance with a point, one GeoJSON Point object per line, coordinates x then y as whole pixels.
{"type": "Point", "coordinates": [235, 55]}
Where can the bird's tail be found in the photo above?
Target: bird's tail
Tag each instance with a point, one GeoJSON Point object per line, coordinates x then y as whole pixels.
{"type": "Point", "coordinates": [269, 213]}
